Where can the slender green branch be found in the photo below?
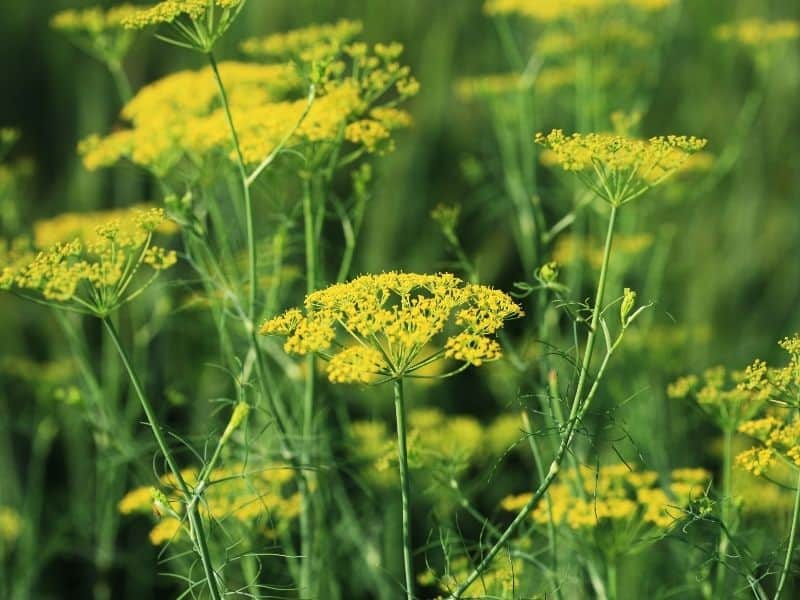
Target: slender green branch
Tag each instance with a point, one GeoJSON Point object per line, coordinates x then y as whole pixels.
{"type": "Point", "coordinates": [574, 418]}
{"type": "Point", "coordinates": [727, 451]}
{"type": "Point", "coordinates": [787, 562]}
{"type": "Point", "coordinates": [121, 81]}
{"type": "Point", "coordinates": [192, 510]}
{"type": "Point", "coordinates": [248, 202]}
{"type": "Point", "coordinates": [402, 453]}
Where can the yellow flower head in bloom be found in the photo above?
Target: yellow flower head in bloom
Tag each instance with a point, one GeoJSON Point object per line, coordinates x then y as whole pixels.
{"type": "Point", "coordinates": [100, 31]}
{"type": "Point", "coordinates": [179, 121]}
{"type": "Point", "coordinates": [550, 10]}
{"type": "Point", "coordinates": [266, 496]}
{"type": "Point", "coordinates": [88, 226]}
{"type": "Point", "coordinates": [10, 525]}
{"type": "Point", "coordinates": [616, 167]}
{"type": "Point", "coordinates": [570, 249]}
{"type": "Point", "coordinates": [304, 43]}
{"type": "Point", "coordinates": [617, 496]}
{"type": "Point", "coordinates": [503, 579]}
{"type": "Point", "coordinates": [376, 326]}
{"type": "Point", "coordinates": [197, 24]}
{"type": "Point", "coordinates": [97, 276]}
{"type": "Point", "coordinates": [756, 34]}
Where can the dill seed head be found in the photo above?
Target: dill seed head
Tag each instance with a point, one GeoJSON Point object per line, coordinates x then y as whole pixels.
{"type": "Point", "coordinates": [378, 326]}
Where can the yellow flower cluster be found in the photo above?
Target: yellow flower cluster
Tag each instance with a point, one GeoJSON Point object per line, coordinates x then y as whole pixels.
{"type": "Point", "coordinates": [88, 226]}
{"type": "Point", "coordinates": [168, 11]}
{"type": "Point", "coordinates": [547, 11]}
{"type": "Point", "coordinates": [470, 88]}
{"type": "Point", "coordinates": [757, 33]}
{"type": "Point", "coordinates": [179, 120]}
{"type": "Point", "coordinates": [96, 276]}
{"type": "Point", "coordinates": [10, 526]}
{"type": "Point", "coordinates": [93, 21]}
{"type": "Point", "coordinates": [569, 249]}
{"type": "Point", "coordinates": [501, 580]}
{"type": "Point", "coordinates": [99, 31]}
{"type": "Point", "coordinates": [263, 496]}
{"type": "Point", "coordinates": [387, 320]}
{"type": "Point", "coordinates": [436, 442]}
{"type": "Point", "coordinates": [616, 495]}
{"type": "Point", "coordinates": [616, 32]}
{"type": "Point", "coordinates": [294, 44]}
{"type": "Point", "coordinates": [718, 394]}
{"type": "Point", "coordinates": [616, 167]}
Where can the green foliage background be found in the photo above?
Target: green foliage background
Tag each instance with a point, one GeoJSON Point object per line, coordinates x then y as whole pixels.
{"type": "Point", "coordinates": [731, 266]}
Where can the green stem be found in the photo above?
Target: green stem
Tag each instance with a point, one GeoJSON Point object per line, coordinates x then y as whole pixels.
{"type": "Point", "coordinates": [121, 81]}
{"type": "Point", "coordinates": [551, 529]}
{"type": "Point", "coordinates": [192, 510]}
{"type": "Point", "coordinates": [308, 395]}
{"type": "Point", "coordinates": [569, 433]}
{"type": "Point", "coordinates": [402, 453]}
{"type": "Point", "coordinates": [612, 579]}
{"type": "Point", "coordinates": [248, 202]}
{"type": "Point", "coordinates": [727, 450]}
{"type": "Point", "coordinates": [787, 562]}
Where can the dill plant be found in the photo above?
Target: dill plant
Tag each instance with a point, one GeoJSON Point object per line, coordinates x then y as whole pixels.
{"type": "Point", "coordinates": [265, 163]}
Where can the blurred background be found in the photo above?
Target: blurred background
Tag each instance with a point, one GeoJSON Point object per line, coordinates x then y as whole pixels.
{"type": "Point", "coordinates": [721, 263]}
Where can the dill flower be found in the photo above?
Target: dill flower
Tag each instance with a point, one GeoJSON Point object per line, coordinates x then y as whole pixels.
{"type": "Point", "coordinates": [779, 440]}
{"type": "Point", "coordinates": [294, 44]}
{"type": "Point", "coordinates": [375, 327]}
{"type": "Point", "coordinates": [542, 10]}
{"type": "Point", "coordinates": [177, 121]}
{"type": "Point", "coordinates": [756, 33]}
{"type": "Point", "coordinates": [719, 395]}
{"type": "Point", "coordinates": [235, 495]}
{"type": "Point", "coordinates": [87, 226]}
{"type": "Point", "coordinates": [618, 168]}
{"type": "Point", "coordinates": [569, 249]}
{"type": "Point", "coordinates": [101, 32]}
{"type": "Point", "coordinates": [196, 24]}
{"type": "Point", "coordinates": [501, 580]}
{"type": "Point", "coordinates": [97, 276]}
{"type": "Point", "coordinates": [618, 499]}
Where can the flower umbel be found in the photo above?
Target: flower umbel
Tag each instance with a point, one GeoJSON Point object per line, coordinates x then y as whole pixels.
{"type": "Point", "coordinates": [377, 326]}
{"type": "Point", "coordinates": [615, 167]}
{"type": "Point", "coordinates": [96, 276]}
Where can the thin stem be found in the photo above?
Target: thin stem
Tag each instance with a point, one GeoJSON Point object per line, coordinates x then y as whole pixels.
{"type": "Point", "coordinates": [308, 394]}
{"type": "Point", "coordinates": [790, 549]}
{"type": "Point", "coordinates": [572, 421]}
{"type": "Point", "coordinates": [612, 579]}
{"type": "Point", "coordinates": [551, 530]}
{"type": "Point", "coordinates": [192, 511]}
{"type": "Point", "coordinates": [248, 202]}
{"type": "Point", "coordinates": [121, 81]}
{"type": "Point", "coordinates": [727, 450]}
{"type": "Point", "coordinates": [402, 453]}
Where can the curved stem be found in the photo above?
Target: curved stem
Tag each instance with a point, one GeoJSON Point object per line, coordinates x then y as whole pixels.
{"type": "Point", "coordinates": [402, 453]}
{"type": "Point", "coordinates": [572, 421]}
{"type": "Point", "coordinates": [193, 513]}
{"type": "Point", "coordinates": [787, 562]}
